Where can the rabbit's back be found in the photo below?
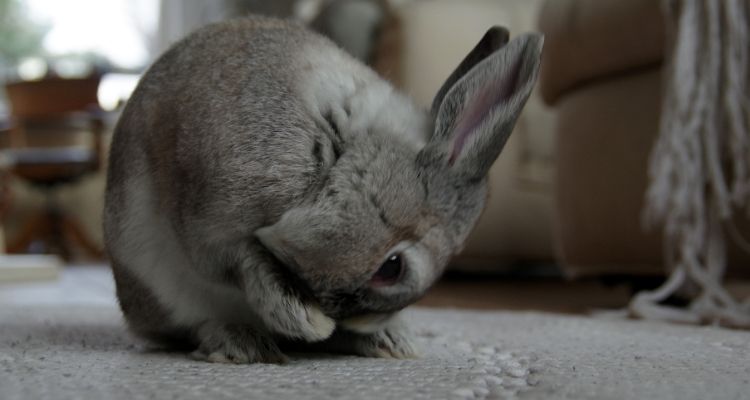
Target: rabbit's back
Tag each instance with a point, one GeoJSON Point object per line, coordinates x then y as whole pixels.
{"type": "Point", "coordinates": [214, 142]}
{"type": "Point", "coordinates": [221, 127]}
{"type": "Point", "coordinates": [232, 127]}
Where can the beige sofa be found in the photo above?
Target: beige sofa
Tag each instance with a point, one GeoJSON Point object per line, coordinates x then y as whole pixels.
{"type": "Point", "coordinates": [601, 71]}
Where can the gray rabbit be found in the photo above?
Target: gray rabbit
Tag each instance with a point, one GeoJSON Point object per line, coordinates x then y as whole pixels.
{"type": "Point", "coordinates": [267, 190]}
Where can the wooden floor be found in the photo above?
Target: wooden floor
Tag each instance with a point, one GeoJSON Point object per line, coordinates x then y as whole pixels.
{"type": "Point", "coordinates": [546, 294]}
{"type": "Point", "coordinates": [550, 295]}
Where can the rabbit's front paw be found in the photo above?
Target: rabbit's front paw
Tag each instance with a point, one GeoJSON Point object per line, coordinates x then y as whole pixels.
{"type": "Point", "coordinates": [238, 344]}
{"type": "Point", "coordinates": [391, 342]}
{"type": "Point", "coordinates": [301, 321]}
{"type": "Point", "coordinates": [319, 326]}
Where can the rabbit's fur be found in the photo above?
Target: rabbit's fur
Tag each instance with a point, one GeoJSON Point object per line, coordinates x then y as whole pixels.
{"type": "Point", "coordinates": [259, 177]}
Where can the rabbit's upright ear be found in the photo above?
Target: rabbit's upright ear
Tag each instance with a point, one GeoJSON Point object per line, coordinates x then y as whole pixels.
{"type": "Point", "coordinates": [476, 109]}
{"type": "Point", "coordinates": [495, 38]}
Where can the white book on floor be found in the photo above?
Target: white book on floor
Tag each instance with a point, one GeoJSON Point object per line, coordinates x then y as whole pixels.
{"type": "Point", "coordinates": [25, 268]}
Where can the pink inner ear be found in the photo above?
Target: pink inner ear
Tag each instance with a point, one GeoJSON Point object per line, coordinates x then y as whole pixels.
{"type": "Point", "coordinates": [494, 93]}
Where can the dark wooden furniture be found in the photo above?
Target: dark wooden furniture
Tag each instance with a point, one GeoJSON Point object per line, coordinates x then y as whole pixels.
{"type": "Point", "coordinates": [56, 108]}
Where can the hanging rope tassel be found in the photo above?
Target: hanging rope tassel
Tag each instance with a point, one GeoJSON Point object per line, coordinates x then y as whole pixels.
{"type": "Point", "coordinates": [704, 138]}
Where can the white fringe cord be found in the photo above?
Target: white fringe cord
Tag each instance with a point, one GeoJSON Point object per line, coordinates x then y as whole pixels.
{"type": "Point", "coordinates": [700, 165]}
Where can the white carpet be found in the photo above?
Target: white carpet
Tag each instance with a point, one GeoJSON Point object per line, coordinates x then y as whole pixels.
{"type": "Point", "coordinates": [66, 341]}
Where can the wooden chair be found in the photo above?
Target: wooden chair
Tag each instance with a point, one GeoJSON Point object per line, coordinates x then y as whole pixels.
{"type": "Point", "coordinates": [57, 107]}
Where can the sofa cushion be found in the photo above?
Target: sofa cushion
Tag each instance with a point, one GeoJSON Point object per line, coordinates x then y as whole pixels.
{"type": "Point", "coordinates": [590, 39]}
{"type": "Point", "coordinates": [605, 133]}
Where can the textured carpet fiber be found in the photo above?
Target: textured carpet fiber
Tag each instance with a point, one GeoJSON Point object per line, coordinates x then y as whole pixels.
{"type": "Point", "coordinates": [78, 349]}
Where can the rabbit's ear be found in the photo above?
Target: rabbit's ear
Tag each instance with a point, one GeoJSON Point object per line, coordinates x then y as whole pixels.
{"type": "Point", "coordinates": [495, 38]}
{"type": "Point", "coordinates": [477, 113]}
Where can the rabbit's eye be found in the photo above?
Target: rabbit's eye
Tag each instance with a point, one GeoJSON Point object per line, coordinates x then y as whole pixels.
{"type": "Point", "coordinates": [390, 272]}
